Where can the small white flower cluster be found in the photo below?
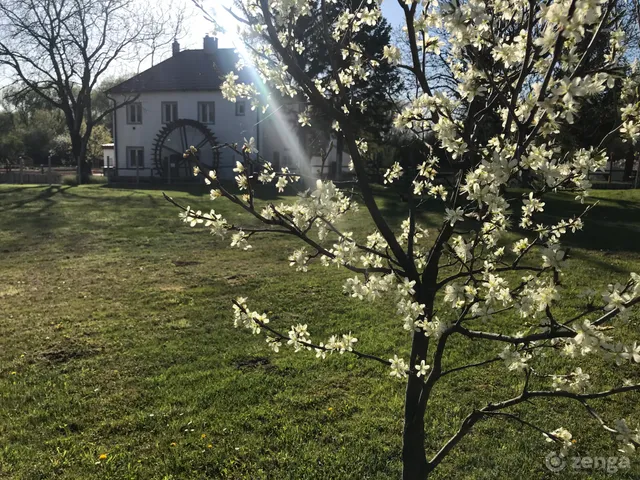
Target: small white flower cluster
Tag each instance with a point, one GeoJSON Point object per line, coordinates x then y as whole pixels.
{"type": "Point", "coordinates": [424, 181]}
{"type": "Point", "coordinates": [630, 112]}
{"type": "Point", "coordinates": [241, 179]}
{"type": "Point", "coordinates": [304, 120]}
{"type": "Point", "coordinates": [422, 369]}
{"type": "Point", "coordinates": [353, 22]}
{"type": "Point", "coordinates": [392, 54]}
{"type": "Point", "coordinates": [344, 252]}
{"type": "Point", "coordinates": [393, 173]}
{"type": "Point", "coordinates": [268, 174]}
{"type": "Point", "coordinates": [212, 176]}
{"type": "Point", "coordinates": [419, 115]}
{"type": "Point", "coordinates": [399, 367]}
{"type": "Point", "coordinates": [536, 296]}
{"type": "Point", "coordinates": [433, 328]}
{"type": "Point", "coordinates": [326, 202]}
{"type": "Point", "coordinates": [298, 336]}
{"type": "Point", "coordinates": [244, 318]}
{"type": "Point", "coordinates": [239, 239]}
{"type": "Point", "coordinates": [590, 339]}
{"type": "Point", "coordinates": [617, 296]}
{"type": "Point", "coordinates": [420, 251]}
{"type": "Point", "coordinates": [371, 289]}
{"type": "Point", "coordinates": [515, 360]}
{"type": "Point", "coordinates": [408, 309]}
{"type": "Point", "coordinates": [452, 216]}
{"type": "Point", "coordinates": [562, 436]}
{"type": "Point", "coordinates": [497, 290]}
{"type": "Point", "coordinates": [285, 178]}
{"type": "Point", "coordinates": [299, 259]}
{"type": "Point", "coordinates": [459, 295]}
{"type": "Point", "coordinates": [337, 344]}
{"type": "Point", "coordinates": [575, 382]}
{"type": "Point", "coordinates": [628, 437]}
{"type": "Point", "coordinates": [231, 90]}
{"type": "Point", "coordinates": [553, 257]}
{"type": "Point", "coordinates": [482, 185]}
{"type": "Point", "coordinates": [529, 206]}
{"type": "Point", "coordinates": [212, 220]}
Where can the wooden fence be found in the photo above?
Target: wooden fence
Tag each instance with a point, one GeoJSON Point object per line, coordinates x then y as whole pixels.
{"type": "Point", "coordinates": [30, 177]}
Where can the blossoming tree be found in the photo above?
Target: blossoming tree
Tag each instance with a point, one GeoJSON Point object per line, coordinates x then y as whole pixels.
{"type": "Point", "coordinates": [521, 61]}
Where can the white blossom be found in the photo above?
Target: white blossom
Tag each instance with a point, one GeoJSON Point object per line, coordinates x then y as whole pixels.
{"type": "Point", "coordinates": [422, 369]}
{"type": "Point", "coordinates": [398, 367]}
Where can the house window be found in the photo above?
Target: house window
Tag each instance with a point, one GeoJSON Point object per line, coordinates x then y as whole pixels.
{"type": "Point", "coordinates": [207, 112]}
{"type": "Point", "coordinates": [286, 158]}
{"type": "Point", "coordinates": [169, 112]}
{"type": "Point", "coordinates": [135, 157]}
{"type": "Point", "coordinates": [134, 113]}
{"type": "Point", "coordinates": [240, 106]}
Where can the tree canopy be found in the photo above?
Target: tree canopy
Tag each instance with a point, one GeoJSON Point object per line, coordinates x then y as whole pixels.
{"type": "Point", "coordinates": [60, 51]}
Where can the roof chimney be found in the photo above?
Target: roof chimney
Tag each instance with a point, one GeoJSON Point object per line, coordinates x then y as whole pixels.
{"type": "Point", "coordinates": [175, 47]}
{"type": "Point", "coordinates": [210, 44]}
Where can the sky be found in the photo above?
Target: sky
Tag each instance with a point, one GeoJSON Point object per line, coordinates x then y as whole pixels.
{"type": "Point", "coordinates": [390, 9]}
{"type": "Point", "coordinates": [198, 27]}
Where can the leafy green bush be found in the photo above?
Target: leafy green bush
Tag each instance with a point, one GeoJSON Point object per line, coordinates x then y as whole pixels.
{"type": "Point", "coordinates": [70, 180]}
{"type": "Point", "coordinates": [98, 180]}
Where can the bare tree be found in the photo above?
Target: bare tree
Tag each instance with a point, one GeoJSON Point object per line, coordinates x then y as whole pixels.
{"type": "Point", "coordinates": [60, 49]}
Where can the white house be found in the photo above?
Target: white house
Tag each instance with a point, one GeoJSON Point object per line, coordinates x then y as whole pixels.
{"type": "Point", "coordinates": [178, 103]}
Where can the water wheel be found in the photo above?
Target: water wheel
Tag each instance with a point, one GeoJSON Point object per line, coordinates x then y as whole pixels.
{"type": "Point", "coordinates": [172, 141]}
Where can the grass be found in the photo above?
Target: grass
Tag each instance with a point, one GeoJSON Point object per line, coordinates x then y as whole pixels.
{"type": "Point", "coordinates": [117, 339]}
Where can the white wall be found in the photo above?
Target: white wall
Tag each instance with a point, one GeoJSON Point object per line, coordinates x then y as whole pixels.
{"type": "Point", "coordinates": [279, 132]}
{"type": "Point", "coordinates": [228, 127]}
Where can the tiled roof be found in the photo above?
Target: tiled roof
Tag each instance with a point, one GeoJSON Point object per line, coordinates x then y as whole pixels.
{"type": "Point", "coordinates": [189, 70]}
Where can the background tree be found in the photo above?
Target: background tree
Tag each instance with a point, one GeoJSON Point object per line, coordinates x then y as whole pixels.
{"type": "Point", "coordinates": [101, 102]}
{"type": "Point", "coordinates": [60, 50]}
{"type": "Point", "coordinates": [377, 93]}
{"type": "Point", "coordinates": [29, 128]}
{"type": "Point", "coordinates": [33, 128]}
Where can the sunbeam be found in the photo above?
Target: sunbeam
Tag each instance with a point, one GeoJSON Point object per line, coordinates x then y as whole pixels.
{"type": "Point", "coordinates": [281, 116]}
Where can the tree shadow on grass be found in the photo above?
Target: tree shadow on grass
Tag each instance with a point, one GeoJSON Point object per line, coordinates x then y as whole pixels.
{"type": "Point", "coordinates": [600, 263]}
{"type": "Point", "coordinates": [611, 226]}
{"type": "Point", "coordinates": [262, 192]}
{"type": "Point", "coordinates": [6, 191]}
{"type": "Point", "coordinates": [45, 195]}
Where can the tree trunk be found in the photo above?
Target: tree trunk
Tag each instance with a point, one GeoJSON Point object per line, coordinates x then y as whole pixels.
{"type": "Point", "coordinates": [629, 160]}
{"type": "Point", "coordinates": [414, 459]}
{"type": "Point", "coordinates": [339, 150]}
{"type": "Point", "coordinates": [79, 151]}
{"type": "Point", "coordinates": [85, 171]}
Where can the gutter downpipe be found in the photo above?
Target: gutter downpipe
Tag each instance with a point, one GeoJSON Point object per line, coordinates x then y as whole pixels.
{"type": "Point", "coordinates": [258, 127]}
{"type": "Point", "coordinates": [115, 137]}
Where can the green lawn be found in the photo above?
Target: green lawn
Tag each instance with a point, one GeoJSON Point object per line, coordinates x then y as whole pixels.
{"type": "Point", "coordinates": [117, 339]}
